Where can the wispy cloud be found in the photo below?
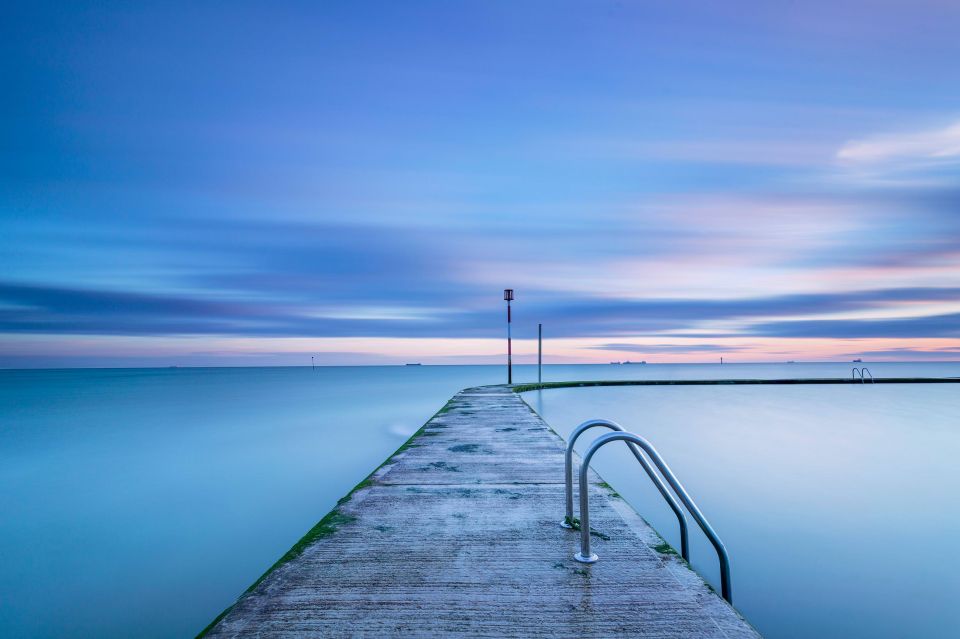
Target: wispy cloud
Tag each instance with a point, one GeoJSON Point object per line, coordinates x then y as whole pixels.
{"type": "Point", "coordinates": [668, 348]}
{"type": "Point", "coordinates": [947, 325]}
{"type": "Point", "coordinates": [496, 148]}
{"type": "Point", "coordinates": [26, 309]}
{"type": "Point", "coordinates": [946, 353]}
{"type": "Point", "coordinates": [909, 148]}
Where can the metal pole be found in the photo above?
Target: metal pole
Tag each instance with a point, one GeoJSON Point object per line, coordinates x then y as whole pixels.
{"type": "Point", "coordinates": [539, 353]}
{"type": "Point", "coordinates": [312, 367]}
{"type": "Point", "coordinates": [508, 296]}
{"type": "Point", "coordinates": [509, 348]}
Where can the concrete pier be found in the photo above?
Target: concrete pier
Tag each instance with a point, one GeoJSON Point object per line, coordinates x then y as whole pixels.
{"type": "Point", "coordinates": [458, 535]}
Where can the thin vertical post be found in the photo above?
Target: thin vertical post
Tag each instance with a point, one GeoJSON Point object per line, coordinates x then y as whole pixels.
{"type": "Point", "coordinates": [508, 296]}
{"type": "Point", "coordinates": [509, 348]}
{"type": "Point", "coordinates": [539, 353]}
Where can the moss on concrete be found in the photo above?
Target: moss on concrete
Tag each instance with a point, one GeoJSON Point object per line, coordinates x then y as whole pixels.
{"type": "Point", "coordinates": [575, 522]}
{"type": "Point", "coordinates": [665, 549]}
{"type": "Point", "coordinates": [332, 520]}
{"type": "Point", "coordinates": [524, 388]}
{"type": "Point", "coordinates": [324, 528]}
{"type": "Point", "coordinates": [611, 491]}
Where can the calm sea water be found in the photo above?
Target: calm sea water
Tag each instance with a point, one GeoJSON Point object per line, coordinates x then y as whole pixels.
{"type": "Point", "coordinates": [141, 502]}
{"type": "Point", "coordinates": [838, 504]}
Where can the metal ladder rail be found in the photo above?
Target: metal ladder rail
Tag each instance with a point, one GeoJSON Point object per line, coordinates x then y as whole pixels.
{"type": "Point", "coordinates": [568, 476]}
{"type": "Point", "coordinates": [862, 372]}
{"type": "Point", "coordinates": [867, 371]}
{"type": "Point", "coordinates": [586, 556]}
{"type": "Point", "coordinates": [854, 373]}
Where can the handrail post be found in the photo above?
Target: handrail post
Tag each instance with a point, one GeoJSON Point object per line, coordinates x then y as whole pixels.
{"type": "Point", "coordinates": [568, 463]}
{"type": "Point", "coordinates": [586, 556]}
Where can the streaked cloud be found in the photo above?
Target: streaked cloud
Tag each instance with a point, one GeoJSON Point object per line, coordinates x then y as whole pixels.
{"type": "Point", "coordinates": [920, 146]}
{"type": "Point", "coordinates": [669, 348]}
{"type": "Point", "coordinates": [947, 325]}
{"type": "Point", "coordinates": [940, 354]}
{"type": "Point", "coordinates": [679, 179]}
{"type": "Point", "coordinates": [29, 309]}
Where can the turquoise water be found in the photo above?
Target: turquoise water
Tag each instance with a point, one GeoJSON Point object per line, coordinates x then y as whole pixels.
{"type": "Point", "coordinates": [837, 504]}
{"type": "Point", "coordinates": [141, 502]}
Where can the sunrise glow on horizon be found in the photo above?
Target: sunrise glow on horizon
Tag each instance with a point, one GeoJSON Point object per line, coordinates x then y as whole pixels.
{"type": "Point", "coordinates": [358, 183]}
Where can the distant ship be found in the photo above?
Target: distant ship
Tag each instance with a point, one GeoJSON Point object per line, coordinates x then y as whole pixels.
{"type": "Point", "coordinates": [414, 364]}
{"type": "Point", "coordinates": [857, 361]}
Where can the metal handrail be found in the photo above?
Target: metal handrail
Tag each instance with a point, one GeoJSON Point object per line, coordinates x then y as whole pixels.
{"type": "Point", "coordinates": [568, 476]}
{"type": "Point", "coordinates": [587, 557]}
{"type": "Point", "coordinates": [862, 371]}
{"type": "Point", "coordinates": [867, 371]}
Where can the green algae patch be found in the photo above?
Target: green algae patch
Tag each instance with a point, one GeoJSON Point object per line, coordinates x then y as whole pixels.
{"type": "Point", "coordinates": [324, 528]}
{"type": "Point", "coordinates": [525, 388]}
{"type": "Point", "coordinates": [575, 522]}
{"type": "Point", "coordinates": [332, 520]}
{"type": "Point", "coordinates": [612, 492]}
{"type": "Point", "coordinates": [666, 549]}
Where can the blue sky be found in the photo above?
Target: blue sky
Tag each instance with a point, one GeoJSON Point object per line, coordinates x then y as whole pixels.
{"type": "Point", "coordinates": [249, 183]}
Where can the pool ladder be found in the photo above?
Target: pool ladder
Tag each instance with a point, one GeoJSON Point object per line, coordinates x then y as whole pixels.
{"type": "Point", "coordinates": [861, 372]}
{"type": "Point", "coordinates": [633, 441]}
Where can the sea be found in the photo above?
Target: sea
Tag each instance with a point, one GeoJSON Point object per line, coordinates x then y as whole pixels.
{"type": "Point", "coordinates": [142, 502]}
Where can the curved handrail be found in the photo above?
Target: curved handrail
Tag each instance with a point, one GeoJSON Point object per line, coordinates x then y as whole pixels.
{"type": "Point", "coordinates": [867, 371]}
{"type": "Point", "coordinates": [568, 476]}
{"type": "Point", "coordinates": [585, 556]}
{"type": "Point", "coordinates": [854, 372]}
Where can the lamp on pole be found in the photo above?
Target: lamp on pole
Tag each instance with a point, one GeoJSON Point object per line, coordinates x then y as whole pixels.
{"type": "Point", "coordinates": [508, 296]}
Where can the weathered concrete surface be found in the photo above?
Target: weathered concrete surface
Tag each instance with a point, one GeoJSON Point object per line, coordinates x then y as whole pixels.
{"type": "Point", "coordinates": [458, 535]}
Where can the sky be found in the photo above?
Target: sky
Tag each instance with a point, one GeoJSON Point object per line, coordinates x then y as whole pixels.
{"type": "Point", "coordinates": [255, 184]}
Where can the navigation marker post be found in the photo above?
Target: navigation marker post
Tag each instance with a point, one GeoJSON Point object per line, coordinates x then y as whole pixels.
{"type": "Point", "coordinates": [508, 296]}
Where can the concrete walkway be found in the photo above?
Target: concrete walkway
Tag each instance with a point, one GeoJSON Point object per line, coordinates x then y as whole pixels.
{"type": "Point", "coordinates": [458, 535]}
